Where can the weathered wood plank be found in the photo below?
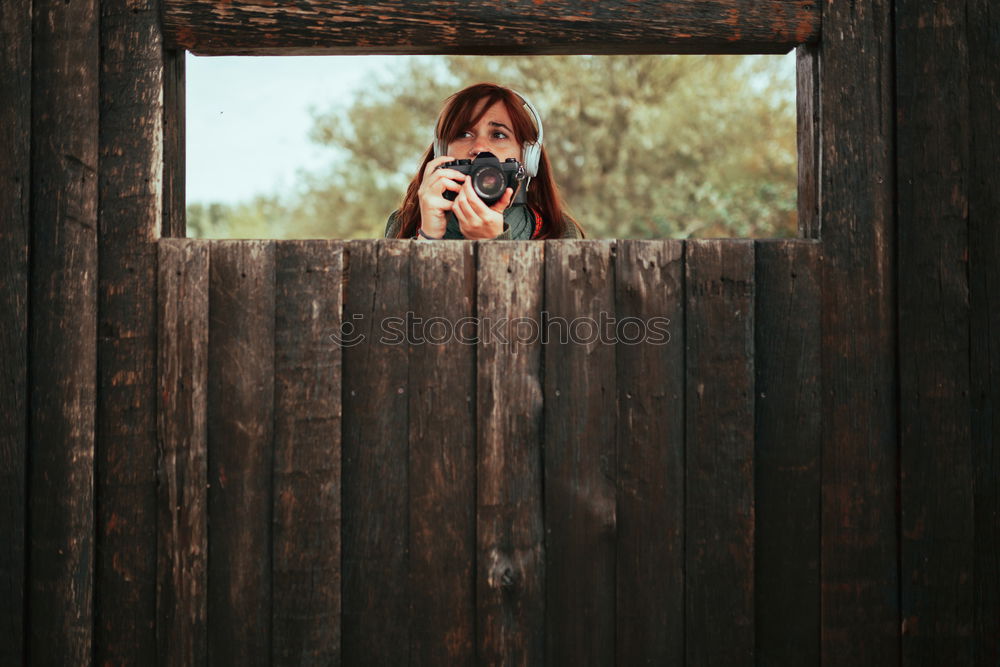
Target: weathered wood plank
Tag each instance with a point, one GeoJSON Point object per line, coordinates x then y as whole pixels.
{"type": "Point", "coordinates": [442, 458]}
{"type": "Point", "coordinates": [240, 441]}
{"type": "Point", "coordinates": [807, 139]}
{"type": "Point", "coordinates": [62, 331]}
{"type": "Point", "coordinates": [15, 183]}
{"type": "Point", "coordinates": [935, 458]}
{"type": "Point", "coordinates": [306, 612]}
{"type": "Point", "coordinates": [174, 151]}
{"type": "Point", "coordinates": [649, 293]}
{"type": "Point", "coordinates": [510, 588]}
{"type": "Point", "coordinates": [580, 465]}
{"type": "Point", "coordinates": [983, 27]}
{"type": "Point", "coordinates": [182, 428]}
{"type": "Point", "coordinates": [859, 572]}
{"type": "Point", "coordinates": [376, 600]}
{"type": "Point", "coordinates": [221, 27]}
{"type": "Point", "coordinates": [719, 510]}
{"type": "Point", "coordinates": [787, 452]}
{"type": "Point", "coordinates": [129, 191]}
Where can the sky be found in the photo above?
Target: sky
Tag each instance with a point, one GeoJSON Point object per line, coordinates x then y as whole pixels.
{"type": "Point", "coordinates": [248, 119]}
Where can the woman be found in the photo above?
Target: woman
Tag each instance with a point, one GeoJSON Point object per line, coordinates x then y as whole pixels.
{"type": "Point", "coordinates": [483, 118]}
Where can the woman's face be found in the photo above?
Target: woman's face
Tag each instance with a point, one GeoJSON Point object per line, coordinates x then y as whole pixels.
{"type": "Point", "coordinates": [493, 133]}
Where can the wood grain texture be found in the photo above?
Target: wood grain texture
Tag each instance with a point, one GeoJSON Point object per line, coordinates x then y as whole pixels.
{"type": "Point", "coordinates": [983, 29]}
{"type": "Point", "coordinates": [223, 27]}
{"type": "Point", "coordinates": [307, 484]}
{"type": "Point", "coordinates": [719, 509]}
{"type": "Point", "coordinates": [182, 432]}
{"type": "Point", "coordinates": [62, 331]}
{"type": "Point", "coordinates": [129, 191]}
{"type": "Point", "coordinates": [859, 571]}
{"type": "Point", "coordinates": [649, 309]}
{"type": "Point", "coordinates": [787, 452]}
{"type": "Point", "coordinates": [376, 599]}
{"type": "Point", "coordinates": [807, 139]}
{"type": "Point", "coordinates": [580, 456]}
{"type": "Point", "coordinates": [174, 148]}
{"type": "Point", "coordinates": [15, 180]}
{"type": "Point", "coordinates": [936, 464]}
{"type": "Point", "coordinates": [442, 455]}
{"type": "Point", "coordinates": [240, 454]}
{"type": "Point", "coordinates": [510, 585]}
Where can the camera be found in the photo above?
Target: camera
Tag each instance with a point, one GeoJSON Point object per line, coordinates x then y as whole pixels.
{"type": "Point", "coordinates": [490, 177]}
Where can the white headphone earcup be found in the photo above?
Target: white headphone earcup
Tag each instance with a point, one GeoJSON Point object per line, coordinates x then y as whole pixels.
{"type": "Point", "coordinates": [531, 155]}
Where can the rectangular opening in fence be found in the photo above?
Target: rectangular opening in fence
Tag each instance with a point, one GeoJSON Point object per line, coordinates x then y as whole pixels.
{"type": "Point", "coordinates": [640, 146]}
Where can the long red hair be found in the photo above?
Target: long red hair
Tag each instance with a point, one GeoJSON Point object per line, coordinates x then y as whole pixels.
{"type": "Point", "coordinates": [456, 117]}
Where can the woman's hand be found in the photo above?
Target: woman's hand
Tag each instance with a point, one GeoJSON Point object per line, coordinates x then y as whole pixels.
{"type": "Point", "coordinates": [477, 220]}
{"type": "Point", "coordinates": [430, 194]}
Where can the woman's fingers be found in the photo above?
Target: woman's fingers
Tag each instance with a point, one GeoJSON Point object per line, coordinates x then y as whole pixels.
{"type": "Point", "coordinates": [476, 219]}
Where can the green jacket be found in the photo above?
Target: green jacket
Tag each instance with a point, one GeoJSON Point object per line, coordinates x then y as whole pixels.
{"type": "Point", "coordinates": [518, 225]}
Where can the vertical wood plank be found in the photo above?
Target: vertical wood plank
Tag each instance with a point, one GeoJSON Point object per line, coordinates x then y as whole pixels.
{"type": "Point", "coordinates": [787, 452]}
{"type": "Point", "coordinates": [983, 27]}
{"type": "Point", "coordinates": [182, 427]}
{"type": "Point", "coordinates": [174, 148]}
{"type": "Point", "coordinates": [580, 464]}
{"type": "Point", "coordinates": [376, 620]}
{"type": "Point", "coordinates": [935, 457]}
{"type": "Point", "coordinates": [649, 294]}
{"type": "Point", "coordinates": [719, 510]}
{"type": "Point", "coordinates": [129, 192]}
{"type": "Point", "coordinates": [510, 588]}
{"type": "Point", "coordinates": [807, 137]}
{"type": "Point", "coordinates": [442, 457]}
{"type": "Point", "coordinates": [859, 570]}
{"type": "Point", "coordinates": [240, 454]}
{"type": "Point", "coordinates": [62, 330]}
{"type": "Point", "coordinates": [15, 183]}
{"type": "Point", "coordinates": [309, 284]}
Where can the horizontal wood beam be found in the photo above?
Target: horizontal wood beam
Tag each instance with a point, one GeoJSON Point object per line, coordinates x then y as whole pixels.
{"type": "Point", "coordinates": [262, 27]}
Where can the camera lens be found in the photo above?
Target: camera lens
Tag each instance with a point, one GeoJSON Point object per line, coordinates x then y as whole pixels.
{"type": "Point", "coordinates": [489, 183]}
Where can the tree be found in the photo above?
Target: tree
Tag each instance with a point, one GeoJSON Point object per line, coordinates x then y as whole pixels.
{"type": "Point", "coordinates": [641, 146]}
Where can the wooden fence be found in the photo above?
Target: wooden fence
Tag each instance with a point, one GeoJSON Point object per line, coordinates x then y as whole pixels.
{"type": "Point", "coordinates": [114, 549]}
{"type": "Point", "coordinates": [560, 453]}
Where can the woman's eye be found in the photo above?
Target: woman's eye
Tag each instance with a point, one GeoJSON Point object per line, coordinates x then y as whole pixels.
{"type": "Point", "coordinates": [499, 135]}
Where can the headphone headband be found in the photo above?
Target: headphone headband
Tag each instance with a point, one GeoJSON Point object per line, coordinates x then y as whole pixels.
{"type": "Point", "coordinates": [531, 151]}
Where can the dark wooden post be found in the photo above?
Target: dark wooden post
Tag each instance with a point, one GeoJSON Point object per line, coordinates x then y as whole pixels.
{"type": "Point", "coordinates": [983, 26]}
{"type": "Point", "coordinates": [649, 358]}
{"type": "Point", "coordinates": [63, 330]}
{"type": "Point", "coordinates": [510, 586]}
{"type": "Point", "coordinates": [376, 589]}
{"type": "Point", "coordinates": [442, 456]}
{"type": "Point", "coordinates": [581, 412]}
{"type": "Point", "coordinates": [15, 181]}
{"type": "Point", "coordinates": [719, 446]}
{"type": "Point", "coordinates": [182, 415]}
{"type": "Point", "coordinates": [307, 389]}
{"type": "Point", "coordinates": [859, 575]}
{"type": "Point", "coordinates": [130, 207]}
{"type": "Point", "coordinates": [240, 451]}
{"type": "Point", "coordinates": [787, 435]}
{"type": "Point", "coordinates": [937, 529]}
{"type": "Point", "coordinates": [174, 104]}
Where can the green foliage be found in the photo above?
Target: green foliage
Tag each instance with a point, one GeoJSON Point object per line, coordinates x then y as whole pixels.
{"type": "Point", "coordinates": [641, 146]}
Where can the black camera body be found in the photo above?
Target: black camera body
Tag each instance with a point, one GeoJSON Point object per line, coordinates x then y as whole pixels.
{"type": "Point", "coordinates": [490, 177]}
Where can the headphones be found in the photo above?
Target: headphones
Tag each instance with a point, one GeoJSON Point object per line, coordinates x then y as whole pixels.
{"type": "Point", "coordinates": [531, 152]}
